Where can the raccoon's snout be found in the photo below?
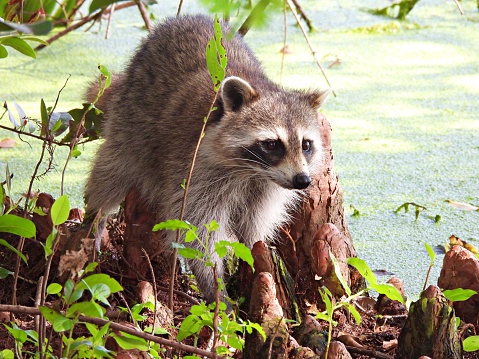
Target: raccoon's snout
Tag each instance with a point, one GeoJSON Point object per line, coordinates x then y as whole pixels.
{"type": "Point", "coordinates": [301, 181]}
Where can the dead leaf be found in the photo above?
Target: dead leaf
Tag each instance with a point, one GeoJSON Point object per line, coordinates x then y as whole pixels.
{"type": "Point", "coordinates": [391, 344]}
{"type": "Point", "coordinates": [8, 143]}
{"type": "Point", "coordinates": [463, 206]}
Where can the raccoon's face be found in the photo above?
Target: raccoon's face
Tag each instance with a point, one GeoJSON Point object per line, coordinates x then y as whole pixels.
{"type": "Point", "coordinates": [273, 135]}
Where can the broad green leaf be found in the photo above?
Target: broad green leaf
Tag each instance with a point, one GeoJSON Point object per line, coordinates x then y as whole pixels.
{"type": "Point", "coordinates": [19, 45]}
{"type": "Point", "coordinates": [7, 354]}
{"type": "Point", "coordinates": [41, 28]}
{"type": "Point", "coordinates": [90, 308]}
{"type": "Point", "coordinates": [14, 250]}
{"type": "Point", "coordinates": [158, 330]}
{"type": "Point", "coordinates": [216, 56]}
{"type": "Point", "coordinates": [190, 325]}
{"type": "Point", "coordinates": [60, 210]}
{"type": "Point", "coordinates": [221, 248]}
{"type": "Point", "coordinates": [430, 252]}
{"type": "Point", "coordinates": [388, 290]}
{"type": "Point", "coordinates": [242, 252]}
{"type": "Point", "coordinates": [171, 225]}
{"type": "Point", "coordinates": [17, 333]}
{"type": "Point", "coordinates": [363, 269]}
{"type": "Point", "coordinates": [190, 236]}
{"type": "Point", "coordinates": [128, 341]}
{"type": "Point", "coordinates": [471, 344]}
{"type": "Point", "coordinates": [62, 324]}
{"type": "Point", "coordinates": [101, 292]}
{"type": "Point", "coordinates": [54, 288]}
{"type": "Point", "coordinates": [100, 278]}
{"type": "Point", "coordinates": [258, 328]}
{"type": "Point", "coordinates": [3, 52]}
{"type": "Point", "coordinates": [458, 294]}
{"type": "Point", "coordinates": [190, 253]}
{"type": "Point", "coordinates": [17, 225]}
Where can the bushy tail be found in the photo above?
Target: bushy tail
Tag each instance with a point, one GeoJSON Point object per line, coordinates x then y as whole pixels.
{"type": "Point", "coordinates": [105, 99]}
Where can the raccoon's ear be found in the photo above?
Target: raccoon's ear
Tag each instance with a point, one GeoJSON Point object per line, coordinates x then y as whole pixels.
{"type": "Point", "coordinates": [317, 99]}
{"type": "Point", "coordinates": [235, 93]}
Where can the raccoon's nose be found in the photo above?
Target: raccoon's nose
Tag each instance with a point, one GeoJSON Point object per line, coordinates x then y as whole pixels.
{"type": "Point", "coordinates": [301, 181]}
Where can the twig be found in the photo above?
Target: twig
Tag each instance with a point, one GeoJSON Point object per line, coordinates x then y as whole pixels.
{"type": "Point", "coordinates": [108, 24]}
{"type": "Point", "coordinates": [459, 7]}
{"type": "Point", "coordinates": [54, 142]}
{"type": "Point", "coordinates": [368, 352]}
{"type": "Point", "coordinates": [82, 22]}
{"type": "Point", "coordinates": [144, 14]}
{"type": "Point", "coordinates": [313, 52]}
{"type": "Point", "coordinates": [180, 5]}
{"type": "Point", "coordinates": [284, 44]}
{"type": "Point", "coordinates": [119, 327]}
{"type": "Point", "coordinates": [303, 15]}
{"type": "Point", "coordinates": [273, 337]}
{"type": "Point", "coordinates": [155, 291]}
{"type": "Point", "coordinates": [216, 312]}
{"type": "Point", "coordinates": [183, 204]}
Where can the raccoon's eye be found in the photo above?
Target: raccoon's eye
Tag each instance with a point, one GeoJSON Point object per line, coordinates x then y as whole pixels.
{"type": "Point", "coordinates": [272, 144]}
{"type": "Point", "coordinates": [307, 145]}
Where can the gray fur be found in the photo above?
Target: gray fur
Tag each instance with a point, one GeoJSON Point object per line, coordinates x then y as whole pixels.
{"type": "Point", "coordinates": [154, 113]}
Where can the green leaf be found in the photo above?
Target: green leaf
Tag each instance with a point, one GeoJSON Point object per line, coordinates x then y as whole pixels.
{"type": "Point", "coordinates": [14, 250]}
{"type": "Point", "coordinates": [458, 294]}
{"type": "Point", "coordinates": [18, 334]}
{"type": "Point", "coordinates": [17, 225]}
{"type": "Point", "coordinates": [158, 330]}
{"type": "Point", "coordinates": [352, 309]}
{"type": "Point", "coordinates": [60, 210]}
{"type": "Point", "coordinates": [19, 45]}
{"type": "Point", "coordinates": [6, 354]}
{"type": "Point", "coordinates": [45, 119]}
{"type": "Point", "coordinates": [190, 253]}
{"type": "Point", "coordinates": [62, 324]}
{"type": "Point", "coordinates": [190, 325]}
{"type": "Point", "coordinates": [430, 252]}
{"type": "Point", "coordinates": [471, 344]}
{"type": "Point", "coordinates": [3, 52]}
{"type": "Point", "coordinates": [242, 252]}
{"type": "Point", "coordinates": [337, 272]}
{"type": "Point", "coordinates": [171, 225]}
{"type": "Point", "coordinates": [388, 290]}
{"type": "Point", "coordinates": [89, 308]}
{"type": "Point", "coordinates": [128, 341]}
{"type": "Point", "coordinates": [4, 273]}
{"type": "Point", "coordinates": [363, 269]}
{"type": "Point", "coordinates": [54, 288]}
{"type": "Point", "coordinates": [105, 72]}
{"type": "Point", "coordinates": [101, 292]}
{"type": "Point", "coordinates": [100, 278]}
{"type": "Point", "coordinates": [216, 59]}
{"type": "Point", "coordinates": [96, 4]}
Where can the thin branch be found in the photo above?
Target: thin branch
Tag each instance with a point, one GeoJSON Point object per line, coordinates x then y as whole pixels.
{"type": "Point", "coordinates": [298, 21]}
{"type": "Point", "coordinates": [183, 204]}
{"type": "Point", "coordinates": [83, 21]}
{"type": "Point", "coordinates": [119, 327]}
{"type": "Point", "coordinates": [368, 352]}
{"type": "Point", "coordinates": [459, 7]}
{"type": "Point", "coordinates": [180, 5]}
{"type": "Point", "coordinates": [303, 15]}
{"type": "Point", "coordinates": [144, 15]}
{"type": "Point", "coordinates": [258, 9]}
{"type": "Point", "coordinates": [285, 24]}
{"type": "Point", "coordinates": [108, 24]}
{"type": "Point", "coordinates": [155, 291]}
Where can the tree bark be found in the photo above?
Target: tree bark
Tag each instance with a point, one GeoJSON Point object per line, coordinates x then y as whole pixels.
{"type": "Point", "coordinates": [319, 226]}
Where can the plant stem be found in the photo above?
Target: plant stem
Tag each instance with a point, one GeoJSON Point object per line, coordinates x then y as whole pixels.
{"type": "Point", "coordinates": [183, 204]}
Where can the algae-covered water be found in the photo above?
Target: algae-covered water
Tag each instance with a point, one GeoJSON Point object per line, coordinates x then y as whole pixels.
{"type": "Point", "coordinates": [405, 121]}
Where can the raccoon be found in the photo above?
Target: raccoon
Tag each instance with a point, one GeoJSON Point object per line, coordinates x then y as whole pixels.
{"type": "Point", "coordinates": [261, 148]}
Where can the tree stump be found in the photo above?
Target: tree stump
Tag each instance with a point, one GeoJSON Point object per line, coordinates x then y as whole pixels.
{"type": "Point", "coordinates": [430, 329]}
{"type": "Point", "coordinates": [305, 243]}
